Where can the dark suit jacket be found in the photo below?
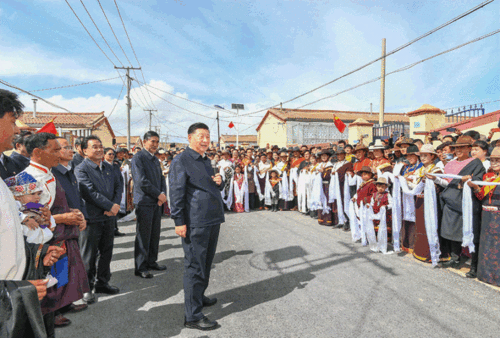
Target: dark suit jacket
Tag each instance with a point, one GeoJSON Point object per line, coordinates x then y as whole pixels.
{"type": "Point", "coordinates": [8, 168]}
{"type": "Point", "coordinates": [100, 189]}
{"type": "Point", "coordinates": [70, 185]}
{"type": "Point", "coordinates": [77, 159]}
{"type": "Point", "coordinates": [149, 181]}
{"type": "Point", "coordinates": [20, 161]}
{"type": "Point", "coordinates": [195, 199]}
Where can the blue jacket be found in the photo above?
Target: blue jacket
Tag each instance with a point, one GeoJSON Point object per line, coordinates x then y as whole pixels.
{"type": "Point", "coordinates": [195, 199]}
{"type": "Point", "coordinates": [149, 181]}
{"type": "Point", "coordinates": [100, 190]}
{"type": "Point", "coordinates": [69, 183]}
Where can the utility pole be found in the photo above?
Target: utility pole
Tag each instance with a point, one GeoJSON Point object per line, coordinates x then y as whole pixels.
{"type": "Point", "coordinates": [129, 101]}
{"type": "Point", "coordinates": [382, 88]}
{"type": "Point", "coordinates": [237, 106]}
{"type": "Point", "coordinates": [150, 115]}
{"type": "Point", "coordinates": [218, 129]}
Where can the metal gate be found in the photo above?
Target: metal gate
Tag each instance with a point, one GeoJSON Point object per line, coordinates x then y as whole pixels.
{"type": "Point", "coordinates": [387, 130]}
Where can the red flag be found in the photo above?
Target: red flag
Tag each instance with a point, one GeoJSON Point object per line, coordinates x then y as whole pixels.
{"type": "Point", "coordinates": [49, 128]}
{"type": "Point", "coordinates": [231, 124]}
{"type": "Point", "coordinates": [339, 124]}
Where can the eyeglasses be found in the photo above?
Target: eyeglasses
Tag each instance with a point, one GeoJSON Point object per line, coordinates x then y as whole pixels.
{"type": "Point", "coordinates": [68, 148]}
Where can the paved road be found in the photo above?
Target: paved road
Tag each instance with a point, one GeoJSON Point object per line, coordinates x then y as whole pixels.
{"type": "Point", "coordinates": [283, 275]}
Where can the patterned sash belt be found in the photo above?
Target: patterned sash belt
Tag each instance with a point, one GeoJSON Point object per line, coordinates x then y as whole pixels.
{"type": "Point", "coordinates": [490, 208]}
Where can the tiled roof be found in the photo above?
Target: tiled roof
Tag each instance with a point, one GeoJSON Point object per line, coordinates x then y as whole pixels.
{"type": "Point", "coordinates": [241, 138]}
{"type": "Point", "coordinates": [123, 139]}
{"type": "Point", "coordinates": [62, 119]}
{"type": "Point", "coordinates": [309, 115]}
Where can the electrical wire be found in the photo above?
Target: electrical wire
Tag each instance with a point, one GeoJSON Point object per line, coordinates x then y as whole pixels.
{"type": "Point", "coordinates": [74, 85]}
{"type": "Point", "coordinates": [117, 99]}
{"type": "Point", "coordinates": [405, 67]}
{"type": "Point", "coordinates": [474, 104]}
{"type": "Point", "coordinates": [133, 50]}
{"type": "Point", "coordinates": [5, 83]}
{"type": "Point", "coordinates": [380, 58]}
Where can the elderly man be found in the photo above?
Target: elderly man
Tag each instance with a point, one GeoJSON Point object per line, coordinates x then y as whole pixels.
{"type": "Point", "coordinates": [20, 156]}
{"type": "Point", "coordinates": [149, 195]}
{"type": "Point", "coordinates": [197, 210]}
{"type": "Point", "coordinates": [102, 193]}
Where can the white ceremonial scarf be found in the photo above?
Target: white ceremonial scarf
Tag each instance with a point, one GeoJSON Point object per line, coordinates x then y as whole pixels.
{"type": "Point", "coordinates": [302, 191]}
{"type": "Point", "coordinates": [396, 208]}
{"type": "Point", "coordinates": [257, 184]}
{"type": "Point", "coordinates": [12, 251]}
{"type": "Point", "coordinates": [316, 186]}
{"type": "Point", "coordinates": [379, 242]}
{"type": "Point", "coordinates": [294, 178]}
{"type": "Point", "coordinates": [44, 175]}
{"type": "Point", "coordinates": [335, 195]}
{"type": "Point", "coordinates": [409, 198]}
{"type": "Point", "coordinates": [431, 220]}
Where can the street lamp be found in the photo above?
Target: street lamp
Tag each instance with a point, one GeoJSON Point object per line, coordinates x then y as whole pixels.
{"type": "Point", "coordinates": [237, 106]}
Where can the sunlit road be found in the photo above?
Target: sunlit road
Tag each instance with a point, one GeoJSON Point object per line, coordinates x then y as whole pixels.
{"type": "Point", "coordinates": [283, 275]}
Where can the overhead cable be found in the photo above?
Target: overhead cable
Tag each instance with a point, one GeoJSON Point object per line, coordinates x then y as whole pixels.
{"type": "Point", "coordinates": [404, 68]}
{"type": "Point", "coordinates": [74, 85]}
{"type": "Point", "coordinates": [380, 58]}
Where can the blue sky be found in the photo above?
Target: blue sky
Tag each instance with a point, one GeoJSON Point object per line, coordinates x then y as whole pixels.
{"type": "Point", "coordinates": [258, 53]}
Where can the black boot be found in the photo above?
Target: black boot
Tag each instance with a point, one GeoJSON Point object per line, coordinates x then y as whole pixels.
{"type": "Point", "coordinates": [473, 264]}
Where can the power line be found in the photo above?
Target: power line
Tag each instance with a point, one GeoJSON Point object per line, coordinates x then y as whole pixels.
{"type": "Point", "coordinates": [472, 104]}
{"type": "Point", "coordinates": [74, 85]}
{"type": "Point", "coordinates": [380, 58]}
{"type": "Point", "coordinates": [5, 83]}
{"type": "Point", "coordinates": [133, 50]}
{"type": "Point", "coordinates": [405, 67]}
{"type": "Point", "coordinates": [117, 99]}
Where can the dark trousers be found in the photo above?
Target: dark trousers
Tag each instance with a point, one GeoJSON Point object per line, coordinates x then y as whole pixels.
{"type": "Point", "coordinates": [454, 248]}
{"type": "Point", "coordinates": [199, 251]}
{"type": "Point", "coordinates": [147, 238]}
{"type": "Point", "coordinates": [98, 237]}
{"type": "Point", "coordinates": [48, 320]}
{"type": "Point", "coordinates": [251, 200]}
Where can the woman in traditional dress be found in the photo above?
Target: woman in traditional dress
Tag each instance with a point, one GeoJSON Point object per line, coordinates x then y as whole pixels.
{"type": "Point", "coordinates": [263, 167]}
{"type": "Point", "coordinates": [313, 170]}
{"type": "Point", "coordinates": [239, 188]}
{"type": "Point", "coordinates": [409, 173]}
{"type": "Point", "coordinates": [485, 262]}
{"type": "Point", "coordinates": [325, 168]}
{"type": "Point", "coordinates": [451, 198]}
{"type": "Point", "coordinates": [428, 157]}
{"type": "Point", "coordinates": [480, 151]}
{"type": "Point", "coordinates": [284, 167]}
{"type": "Point", "coordinates": [379, 162]}
{"type": "Point", "coordinates": [340, 168]}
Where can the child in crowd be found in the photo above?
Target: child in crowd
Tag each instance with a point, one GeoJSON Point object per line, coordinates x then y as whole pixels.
{"type": "Point", "coordinates": [367, 188]}
{"type": "Point", "coordinates": [27, 192]}
{"type": "Point", "coordinates": [382, 198]}
{"type": "Point", "coordinates": [275, 194]}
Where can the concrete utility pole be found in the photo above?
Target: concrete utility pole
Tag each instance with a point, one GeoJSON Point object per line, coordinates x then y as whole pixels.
{"type": "Point", "coordinates": [34, 107]}
{"type": "Point", "coordinates": [382, 88]}
{"type": "Point", "coordinates": [237, 106]}
{"type": "Point", "coordinates": [129, 102]}
{"type": "Point", "coordinates": [150, 115]}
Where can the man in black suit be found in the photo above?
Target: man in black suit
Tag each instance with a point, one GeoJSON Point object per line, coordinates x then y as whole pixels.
{"type": "Point", "coordinates": [79, 155]}
{"type": "Point", "coordinates": [20, 155]}
{"type": "Point", "coordinates": [102, 193]}
{"type": "Point", "coordinates": [8, 168]}
{"type": "Point", "coordinates": [197, 210]}
{"type": "Point", "coordinates": [149, 195]}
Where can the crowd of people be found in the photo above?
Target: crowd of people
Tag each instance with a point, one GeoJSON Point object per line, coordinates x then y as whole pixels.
{"type": "Point", "coordinates": [61, 205]}
{"type": "Point", "coordinates": [435, 199]}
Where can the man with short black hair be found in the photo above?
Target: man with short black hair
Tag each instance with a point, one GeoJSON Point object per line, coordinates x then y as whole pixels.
{"type": "Point", "coordinates": [79, 155]}
{"type": "Point", "coordinates": [102, 193]}
{"type": "Point", "coordinates": [197, 210]}
{"type": "Point", "coordinates": [20, 155]}
{"type": "Point", "coordinates": [149, 195]}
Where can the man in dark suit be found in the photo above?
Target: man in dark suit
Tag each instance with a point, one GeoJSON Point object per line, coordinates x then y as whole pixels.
{"type": "Point", "coordinates": [8, 168]}
{"type": "Point", "coordinates": [197, 210]}
{"type": "Point", "coordinates": [79, 155]}
{"type": "Point", "coordinates": [149, 195]}
{"type": "Point", "coordinates": [20, 155]}
{"type": "Point", "coordinates": [102, 193]}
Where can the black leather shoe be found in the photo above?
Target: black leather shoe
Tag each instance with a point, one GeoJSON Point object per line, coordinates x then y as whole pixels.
{"type": "Point", "coordinates": [119, 234]}
{"type": "Point", "coordinates": [61, 321]}
{"type": "Point", "coordinates": [89, 298]}
{"type": "Point", "coordinates": [158, 267]}
{"type": "Point", "coordinates": [472, 273]}
{"type": "Point", "coordinates": [203, 324]}
{"type": "Point", "coordinates": [77, 308]}
{"type": "Point", "coordinates": [451, 264]}
{"type": "Point", "coordinates": [144, 274]}
{"type": "Point", "coordinates": [107, 289]}
{"type": "Point", "coordinates": [209, 301]}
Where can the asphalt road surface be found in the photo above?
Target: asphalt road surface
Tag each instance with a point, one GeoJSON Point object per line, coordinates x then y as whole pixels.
{"type": "Point", "coordinates": [283, 275]}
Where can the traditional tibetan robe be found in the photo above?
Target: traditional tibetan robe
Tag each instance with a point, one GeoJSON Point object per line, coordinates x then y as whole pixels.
{"type": "Point", "coordinates": [261, 177]}
{"type": "Point", "coordinates": [43, 174]}
{"type": "Point", "coordinates": [488, 269]}
{"type": "Point", "coordinates": [452, 225]}
{"type": "Point", "coordinates": [326, 175]}
{"type": "Point", "coordinates": [285, 173]}
{"type": "Point", "coordinates": [380, 200]}
{"type": "Point", "coordinates": [380, 164]}
{"type": "Point", "coordinates": [421, 249]}
{"type": "Point", "coordinates": [340, 168]}
{"type": "Point", "coordinates": [294, 165]}
{"type": "Point", "coordinates": [276, 189]}
{"type": "Point", "coordinates": [408, 227]}
{"type": "Point", "coordinates": [66, 236]}
{"type": "Point", "coordinates": [238, 202]}
{"type": "Point", "coordinates": [365, 192]}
